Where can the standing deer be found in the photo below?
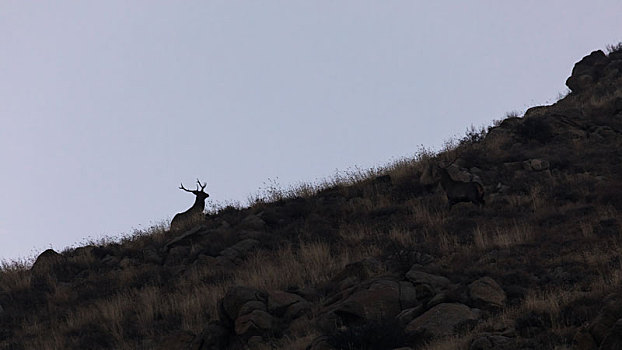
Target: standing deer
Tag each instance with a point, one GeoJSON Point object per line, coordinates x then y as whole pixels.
{"type": "Point", "coordinates": [459, 191]}
{"type": "Point", "coordinates": [194, 215]}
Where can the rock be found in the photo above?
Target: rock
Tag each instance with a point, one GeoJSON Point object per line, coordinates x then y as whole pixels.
{"type": "Point", "coordinates": [47, 261]}
{"type": "Point", "coordinates": [356, 272]}
{"type": "Point", "coordinates": [437, 299]}
{"type": "Point", "coordinates": [213, 337]}
{"type": "Point", "coordinates": [236, 252]}
{"type": "Point", "coordinates": [257, 321]}
{"type": "Point", "coordinates": [236, 298]}
{"type": "Point", "coordinates": [279, 302]}
{"type": "Point", "coordinates": [380, 300]}
{"type": "Point", "coordinates": [441, 320]}
{"type": "Point", "coordinates": [536, 165]}
{"type": "Point", "coordinates": [587, 71]}
{"type": "Point", "coordinates": [425, 291]}
{"type": "Point", "coordinates": [536, 111]}
{"type": "Point", "coordinates": [459, 174]}
{"type": "Point", "coordinates": [487, 292]}
{"type": "Point", "coordinates": [420, 277]}
{"type": "Point", "coordinates": [252, 222]}
{"type": "Point", "coordinates": [52, 267]}
{"type": "Point", "coordinates": [251, 306]}
{"type": "Point", "coordinates": [408, 295]}
{"type": "Point", "coordinates": [613, 340]}
{"type": "Point", "coordinates": [407, 315]}
{"type": "Point", "coordinates": [297, 310]}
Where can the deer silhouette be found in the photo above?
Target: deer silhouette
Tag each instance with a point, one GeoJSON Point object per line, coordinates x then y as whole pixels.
{"type": "Point", "coordinates": [459, 191]}
{"type": "Point", "coordinates": [194, 215]}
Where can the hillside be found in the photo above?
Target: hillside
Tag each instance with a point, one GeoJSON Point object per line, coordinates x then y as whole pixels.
{"type": "Point", "coordinates": [375, 259]}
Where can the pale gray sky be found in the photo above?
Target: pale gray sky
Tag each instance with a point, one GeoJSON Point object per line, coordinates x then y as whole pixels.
{"type": "Point", "coordinates": [106, 106]}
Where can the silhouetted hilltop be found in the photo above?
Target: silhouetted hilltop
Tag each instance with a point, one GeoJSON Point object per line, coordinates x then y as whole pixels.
{"type": "Point", "coordinates": [375, 259]}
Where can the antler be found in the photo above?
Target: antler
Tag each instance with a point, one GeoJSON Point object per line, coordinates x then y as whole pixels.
{"type": "Point", "coordinates": [197, 190]}
{"type": "Point", "coordinates": [202, 186]}
{"type": "Point", "coordinates": [183, 188]}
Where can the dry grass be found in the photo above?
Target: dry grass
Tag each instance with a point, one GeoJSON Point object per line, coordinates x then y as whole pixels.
{"type": "Point", "coordinates": [310, 264]}
{"type": "Point", "coordinates": [403, 237]}
{"type": "Point", "coordinates": [13, 274]}
{"type": "Point", "coordinates": [503, 237]}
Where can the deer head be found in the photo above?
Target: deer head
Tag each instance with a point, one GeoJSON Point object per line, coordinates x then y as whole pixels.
{"type": "Point", "coordinates": [201, 195]}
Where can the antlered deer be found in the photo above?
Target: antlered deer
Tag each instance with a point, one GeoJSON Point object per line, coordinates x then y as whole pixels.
{"type": "Point", "coordinates": [459, 191]}
{"type": "Point", "coordinates": [194, 215]}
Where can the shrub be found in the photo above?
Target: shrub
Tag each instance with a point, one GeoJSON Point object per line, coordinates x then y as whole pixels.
{"type": "Point", "coordinates": [614, 47]}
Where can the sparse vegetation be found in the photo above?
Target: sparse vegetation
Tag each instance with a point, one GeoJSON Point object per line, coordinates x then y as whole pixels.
{"type": "Point", "coordinates": [356, 261]}
{"type": "Point", "coordinates": [614, 47]}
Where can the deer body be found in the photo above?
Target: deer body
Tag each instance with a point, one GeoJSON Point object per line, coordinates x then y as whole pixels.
{"type": "Point", "coordinates": [458, 191]}
{"type": "Point", "coordinates": [194, 215]}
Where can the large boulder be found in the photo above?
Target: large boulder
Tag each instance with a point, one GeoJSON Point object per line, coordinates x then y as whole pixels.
{"type": "Point", "coordinates": [51, 267]}
{"type": "Point", "coordinates": [255, 322]}
{"type": "Point", "coordinates": [587, 71]}
{"type": "Point", "coordinates": [380, 299]}
{"type": "Point", "coordinates": [239, 300]}
{"type": "Point", "coordinates": [287, 305]}
{"type": "Point", "coordinates": [47, 262]}
{"type": "Point", "coordinates": [418, 277]}
{"type": "Point", "coordinates": [441, 320]}
{"type": "Point", "coordinates": [354, 273]}
{"type": "Point", "coordinates": [252, 314]}
{"type": "Point", "coordinates": [487, 292]}
{"type": "Point", "coordinates": [238, 251]}
{"type": "Point", "coordinates": [252, 222]}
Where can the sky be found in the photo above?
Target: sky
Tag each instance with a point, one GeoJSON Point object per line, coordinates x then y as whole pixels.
{"type": "Point", "coordinates": [105, 107]}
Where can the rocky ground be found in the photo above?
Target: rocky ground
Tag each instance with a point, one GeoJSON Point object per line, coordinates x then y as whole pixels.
{"type": "Point", "coordinates": [372, 260]}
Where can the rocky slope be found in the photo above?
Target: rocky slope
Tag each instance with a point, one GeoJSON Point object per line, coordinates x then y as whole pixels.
{"type": "Point", "coordinates": [375, 260]}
